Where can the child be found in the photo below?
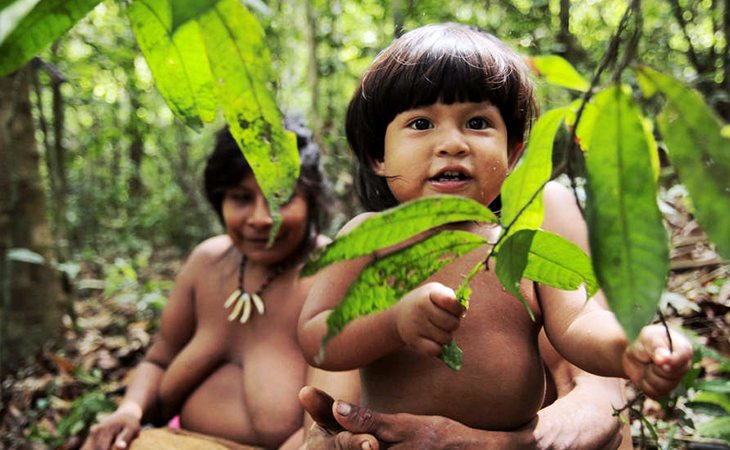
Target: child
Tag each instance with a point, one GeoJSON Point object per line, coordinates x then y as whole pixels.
{"type": "Point", "coordinates": [232, 369]}
{"type": "Point", "coordinates": [444, 110]}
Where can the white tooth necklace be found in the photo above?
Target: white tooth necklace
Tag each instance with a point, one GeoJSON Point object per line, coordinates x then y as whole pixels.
{"type": "Point", "coordinates": [242, 301]}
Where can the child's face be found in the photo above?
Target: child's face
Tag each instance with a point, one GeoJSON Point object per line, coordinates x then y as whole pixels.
{"type": "Point", "coordinates": [248, 221]}
{"type": "Point", "coordinates": [457, 149]}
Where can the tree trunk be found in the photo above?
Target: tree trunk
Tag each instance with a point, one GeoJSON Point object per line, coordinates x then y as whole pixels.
{"type": "Point", "coordinates": [313, 71]}
{"type": "Point", "coordinates": [32, 304]}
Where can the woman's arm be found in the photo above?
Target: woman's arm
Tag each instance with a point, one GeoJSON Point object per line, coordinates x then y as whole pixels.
{"type": "Point", "coordinates": [141, 403]}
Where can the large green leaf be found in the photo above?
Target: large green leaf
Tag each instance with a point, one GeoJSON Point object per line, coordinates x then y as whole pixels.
{"type": "Point", "coordinates": [627, 238]}
{"type": "Point", "coordinates": [241, 64]}
{"type": "Point", "coordinates": [32, 33]}
{"type": "Point", "coordinates": [530, 175]}
{"type": "Point", "coordinates": [588, 119]}
{"type": "Point", "coordinates": [511, 263]}
{"type": "Point", "coordinates": [178, 61]}
{"type": "Point", "coordinates": [557, 262]}
{"type": "Point", "coordinates": [186, 10]}
{"type": "Point", "coordinates": [384, 282]}
{"type": "Point", "coordinates": [560, 72]}
{"type": "Point", "coordinates": [699, 153]}
{"type": "Point", "coordinates": [398, 224]}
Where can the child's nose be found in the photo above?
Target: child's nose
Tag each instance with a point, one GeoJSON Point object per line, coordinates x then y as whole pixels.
{"type": "Point", "coordinates": [260, 216]}
{"type": "Point", "coordinates": [452, 143]}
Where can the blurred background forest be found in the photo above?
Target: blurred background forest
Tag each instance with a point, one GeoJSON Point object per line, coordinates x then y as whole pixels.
{"type": "Point", "coordinates": [111, 200]}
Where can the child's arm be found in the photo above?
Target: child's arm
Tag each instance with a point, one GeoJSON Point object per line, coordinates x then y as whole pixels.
{"type": "Point", "coordinates": [589, 335]}
{"type": "Point", "coordinates": [424, 319]}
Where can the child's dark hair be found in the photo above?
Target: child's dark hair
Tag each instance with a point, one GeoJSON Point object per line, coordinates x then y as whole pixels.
{"type": "Point", "coordinates": [226, 167]}
{"type": "Point", "coordinates": [445, 63]}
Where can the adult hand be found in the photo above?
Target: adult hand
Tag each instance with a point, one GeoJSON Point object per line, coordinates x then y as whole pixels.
{"type": "Point", "coordinates": [114, 432]}
{"type": "Point", "coordinates": [344, 426]}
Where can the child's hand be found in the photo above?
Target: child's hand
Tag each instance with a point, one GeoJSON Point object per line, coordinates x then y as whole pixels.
{"type": "Point", "coordinates": [427, 317]}
{"type": "Point", "coordinates": [651, 366]}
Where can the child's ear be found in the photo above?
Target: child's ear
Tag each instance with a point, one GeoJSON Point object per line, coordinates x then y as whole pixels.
{"type": "Point", "coordinates": [378, 167]}
{"type": "Point", "coordinates": [515, 154]}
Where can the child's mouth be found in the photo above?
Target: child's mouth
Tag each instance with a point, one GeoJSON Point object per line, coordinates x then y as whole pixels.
{"type": "Point", "coordinates": [450, 176]}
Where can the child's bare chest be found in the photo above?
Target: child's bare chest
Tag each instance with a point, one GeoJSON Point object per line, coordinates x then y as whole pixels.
{"type": "Point", "coordinates": [501, 383]}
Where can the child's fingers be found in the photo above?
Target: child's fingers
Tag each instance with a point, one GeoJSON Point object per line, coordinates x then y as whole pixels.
{"type": "Point", "coordinates": [426, 346]}
{"type": "Point", "coordinates": [445, 298]}
{"type": "Point", "coordinates": [443, 320]}
{"type": "Point", "coordinates": [656, 383]}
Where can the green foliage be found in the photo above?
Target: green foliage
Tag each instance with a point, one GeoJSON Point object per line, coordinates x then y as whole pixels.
{"type": "Point", "coordinates": [560, 72]}
{"type": "Point", "coordinates": [699, 152]}
{"type": "Point", "coordinates": [398, 224]}
{"type": "Point", "coordinates": [241, 65]}
{"type": "Point", "coordinates": [205, 55]}
{"type": "Point", "coordinates": [628, 240]}
{"type": "Point", "coordinates": [186, 10]}
{"type": "Point", "coordinates": [557, 262]}
{"type": "Point", "coordinates": [525, 183]}
{"type": "Point", "coordinates": [177, 59]}
{"type": "Point", "coordinates": [511, 263]}
{"type": "Point", "coordinates": [384, 282]}
{"type": "Point", "coordinates": [35, 31]}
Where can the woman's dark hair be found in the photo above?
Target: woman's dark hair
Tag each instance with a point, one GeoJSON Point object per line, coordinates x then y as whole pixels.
{"type": "Point", "coordinates": [226, 167]}
{"type": "Point", "coordinates": [445, 63]}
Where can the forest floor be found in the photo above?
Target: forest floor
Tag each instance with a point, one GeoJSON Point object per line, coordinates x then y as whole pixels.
{"type": "Point", "coordinates": [53, 399]}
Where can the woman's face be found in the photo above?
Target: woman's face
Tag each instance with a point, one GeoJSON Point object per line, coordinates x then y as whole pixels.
{"type": "Point", "coordinates": [248, 222]}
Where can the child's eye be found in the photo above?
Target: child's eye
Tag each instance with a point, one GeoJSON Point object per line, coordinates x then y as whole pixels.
{"type": "Point", "coordinates": [239, 197]}
{"type": "Point", "coordinates": [478, 123]}
{"type": "Point", "coordinates": [420, 124]}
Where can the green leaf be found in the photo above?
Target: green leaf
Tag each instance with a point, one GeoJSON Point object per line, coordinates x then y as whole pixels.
{"type": "Point", "coordinates": [384, 282]}
{"type": "Point", "coordinates": [560, 72]}
{"type": "Point", "coordinates": [699, 152]}
{"type": "Point", "coordinates": [627, 238]}
{"type": "Point", "coordinates": [32, 33]}
{"type": "Point", "coordinates": [452, 356]}
{"type": "Point", "coordinates": [556, 261]}
{"type": "Point", "coordinates": [177, 61]}
{"type": "Point", "coordinates": [511, 263]}
{"type": "Point", "coordinates": [241, 64]}
{"type": "Point", "coordinates": [186, 10]}
{"type": "Point", "coordinates": [398, 224]}
{"type": "Point", "coordinates": [716, 398]}
{"type": "Point", "coordinates": [719, 386]}
{"type": "Point", "coordinates": [718, 428]}
{"type": "Point", "coordinates": [530, 175]}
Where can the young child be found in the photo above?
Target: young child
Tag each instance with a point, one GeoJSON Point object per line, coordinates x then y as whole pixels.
{"type": "Point", "coordinates": [444, 110]}
{"type": "Point", "coordinates": [232, 369]}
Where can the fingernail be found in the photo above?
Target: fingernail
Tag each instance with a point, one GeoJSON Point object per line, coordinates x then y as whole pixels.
{"type": "Point", "coordinates": [366, 445]}
{"type": "Point", "coordinates": [343, 409]}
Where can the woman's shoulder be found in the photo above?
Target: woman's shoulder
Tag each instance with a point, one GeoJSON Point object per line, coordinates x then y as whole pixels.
{"type": "Point", "coordinates": [211, 249]}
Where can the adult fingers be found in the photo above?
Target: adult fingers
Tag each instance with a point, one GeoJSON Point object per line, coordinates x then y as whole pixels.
{"type": "Point", "coordinates": [100, 437]}
{"type": "Point", "coordinates": [318, 405]}
{"type": "Point", "coordinates": [346, 440]}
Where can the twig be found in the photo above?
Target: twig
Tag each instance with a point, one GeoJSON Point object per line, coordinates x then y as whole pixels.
{"type": "Point", "coordinates": [666, 328]}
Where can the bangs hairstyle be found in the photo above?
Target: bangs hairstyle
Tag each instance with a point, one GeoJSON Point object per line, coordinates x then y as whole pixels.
{"type": "Point", "coordinates": [226, 167]}
{"type": "Point", "coordinates": [447, 63]}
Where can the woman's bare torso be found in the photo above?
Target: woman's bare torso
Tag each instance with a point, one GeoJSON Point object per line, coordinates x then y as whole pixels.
{"type": "Point", "coordinates": [501, 383]}
{"type": "Point", "coordinates": [239, 381]}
